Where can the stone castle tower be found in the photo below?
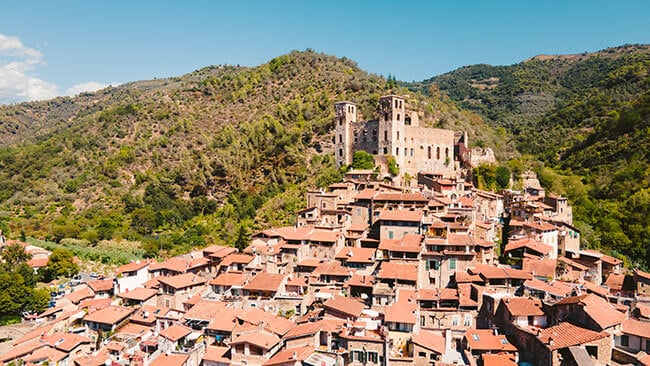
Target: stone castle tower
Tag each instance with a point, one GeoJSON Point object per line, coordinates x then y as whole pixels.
{"type": "Point", "coordinates": [395, 132]}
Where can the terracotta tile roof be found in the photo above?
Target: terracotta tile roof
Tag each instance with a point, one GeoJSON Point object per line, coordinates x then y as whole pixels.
{"type": "Point", "coordinates": [297, 281]}
{"type": "Point", "coordinates": [310, 328]}
{"type": "Point", "coordinates": [265, 341]}
{"type": "Point", "coordinates": [175, 332]}
{"type": "Point", "coordinates": [237, 258]}
{"type": "Point", "coordinates": [40, 331]}
{"type": "Point", "coordinates": [540, 226]}
{"type": "Point", "coordinates": [556, 288]}
{"type": "Point", "coordinates": [358, 227]}
{"type": "Point", "coordinates": [45, 353]}
{"type": "Point", "coordinates": [224, 320]}
{"type": "Point", "coordinates": [430, 340]}
{"type": "Point", "coordinates": [401, 197]}
{"type": "Point", "coordinates": [401, 312]}
{"type": "Point", "coordinates": [498, 359]}
{"type": "Point", "coordinates": [637, 328]}
{"type": "Point", "coordinates": [465, 295]}
{"type": "Point", "coordinates": [229, 279]}
{"type": "Point", "coordinates": [573, 263]}
{"type": "Point", "coordinates": [644, 310]}
{"type": "Point", "coordinates": [264, 281]}
{"type": "Point", "coordinates": [523, 306]}
{"type": "Point", "coordinates": [146, 314]}
{"type": "Point", "coordinates": [366, 194]}
{"type": "Point", "coordinates": [66, 341]}
{"type": "Point", "coordinates": [100, 285]}
{"type": "Point", "coordinates": [310, 262]}
{"type": "Point", "coordinates": [216, 354]}
{"type": "Point", "coordinates": [182, 281]}
{"type": "Point", "coordinates": [411, 243]}
{"type": "Point", "coordinates": [134, 329]}
{"type": "Point", "coordinates": [357, 255]}
{"type": "Point", "coordinates": [645, 360]}
{"type": "Point", "coordinates": [138, 294]}
{"type": "Point", "coordinates": [152, 283]}
{"type": "Point", "coordinates": [540, 267]}
{"type": "Point", "coordinates": [344, 305]}
{"type": "Point", "coordinates": [491, 272]}
{"type": "Point", "coordinates": [38, 263]}
{"type": "Point", "coordinates": [175, 264]}
{"type": "Point", "coordinates": [486, 340]}
{"type": "Point", "coordinates": [93, 305]}
{"type": "Point", "coordinates": [80, 294]}
{"type": "Point", "coordinates": [642, 274]}
{"type": "Point", "coordinates": [615, 281]}
{"type": "Point", "coordinates": [597, 308]}
{"type": "Point", "coordinates": [218, 251]}
{"type": "Point", "coordinates": [529, 243]}
{"type": "Point", "coordinates": [605, 258]}
{"type": "Point", "coordinates": [566, 334]}
{"type": "Point", "coordinates": [401, 215]}
{"type": "Point", "coordinates": [291, 355]}
{"type": "Point", "coordinates": [275, 324]}
{"type": "Point", "coordinates": [132, 267]}
{"type": "Point", "coordinates": [332, 269]}
{"type": "Point", "coordinates": [306, 233]}
{"type": "Point", "coordinates": [173, 359]}
{"type": "Point", "coordinates": [398, 271]}
{"type": "Point", "coordinates": [109, 315]}
{"type": "Point", "coordinates": [360, 281]}
{"type": "Point", "coordinates": [22, 349]}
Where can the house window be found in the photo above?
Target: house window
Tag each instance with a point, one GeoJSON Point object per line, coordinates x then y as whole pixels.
{"type": "Point", "coordinates": [372, 357]}
{"type": "Point", "coordinates": [434, 264]}
{"type": "Point", "coordinates": [340, 138]}
{"type": "Point", "coordinates": [340, 152]}
{"type": "Point", "coordinates": [398, 131]}
{"type": "Point", "coordinates": [397, 151]}
{"type": "Point", "coordinates": [432, 356]}
{"type": "Point", "coordinates": [452, 263]}
{"type": "Point", "coordinates": [385, 150]}
{"type": "Point", "coordinates": [454, 321]}
{"type": "Point", "coordinates": [468, 321]}
{"type": "Point", "coordinates": [390, 235]}
{"type": "Point", "coordinates": [398, 116]}
{"type": "Point", "coordinates": [423, 321]}
{"type": "Point", "coordinates": [422, 354]}
{"type": "Point", "coordinates": [385, 135]}
{"type": "Point", "coordinates": [625, 340]}
{"type": "Point", "coordinates": [429, 152]}
{"type": "Point", "coordinates": [438, 153]}
{"type": "Point", "coordinates": [411, 151]}
{"type": "Point", "coordinates": [358, 212]}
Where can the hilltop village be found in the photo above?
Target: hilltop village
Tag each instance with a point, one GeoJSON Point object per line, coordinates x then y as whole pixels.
{"type": "Point", "coordinates": [436, 272]}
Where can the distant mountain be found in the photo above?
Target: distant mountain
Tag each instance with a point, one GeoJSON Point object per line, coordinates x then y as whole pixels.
{"type": "Point", "coordinates": [586, 115]}
{"type": "Point", "coordinates": [208, 156]}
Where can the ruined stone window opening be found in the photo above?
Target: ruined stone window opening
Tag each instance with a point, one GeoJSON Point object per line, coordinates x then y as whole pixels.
{"type": "Point", "coordinates": [398, 131]}
{"type": "Point", "coordinates": [385, 116]}
{"type": "Point", "coordinates": [407, 120]}
{"type": "Point", "coordinates": [385, 150]}
{"type": "Point", "coordinates": [340, 138]}
{"type": "Point", "coordinates": [398, 116]}
{"type": "Point", "coordinates": [340, 152]}
{"type": "Point", "coordinates": [341, 121]}
{"type": "Point", "coordinates": [385, 135]}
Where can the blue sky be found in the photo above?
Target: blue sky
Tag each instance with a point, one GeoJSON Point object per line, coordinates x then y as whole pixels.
{"type": "Point", "coordinates": [50, 48]}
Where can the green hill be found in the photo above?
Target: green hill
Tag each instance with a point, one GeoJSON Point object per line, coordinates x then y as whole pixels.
{"type": "Point", "coordinates": [180, 162]}
{"type": "Point", "coordinates": [587, 118]}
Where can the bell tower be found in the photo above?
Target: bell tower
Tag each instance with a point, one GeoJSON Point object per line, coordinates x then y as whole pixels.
{"type": "Point", "coordinates": [346, 115]}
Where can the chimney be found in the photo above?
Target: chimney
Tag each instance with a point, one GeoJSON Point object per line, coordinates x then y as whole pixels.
{"type": "Point", "coordinates": [294, 355]}
{"type": "Point", "coordinates": [550, 341]}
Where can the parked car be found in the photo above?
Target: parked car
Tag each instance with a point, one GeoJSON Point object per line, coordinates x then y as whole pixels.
{"type": "Point", "coordinates": [94, 275]}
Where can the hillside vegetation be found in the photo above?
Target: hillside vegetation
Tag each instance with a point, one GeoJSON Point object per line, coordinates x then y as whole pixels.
{"type": "Point", "coordinates": [202, 158]}
{"type": "Point", "coordinates": [587, 119]}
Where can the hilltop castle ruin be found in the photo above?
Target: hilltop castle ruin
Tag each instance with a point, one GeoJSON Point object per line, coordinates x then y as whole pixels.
{"type": "Point", "coordinates": [396, 132]}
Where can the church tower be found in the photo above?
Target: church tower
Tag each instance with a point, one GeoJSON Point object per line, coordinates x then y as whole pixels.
{"type": "Point", "coordinates": [346, 115]}
{"type": "Point", "coordinates": [391, 127]}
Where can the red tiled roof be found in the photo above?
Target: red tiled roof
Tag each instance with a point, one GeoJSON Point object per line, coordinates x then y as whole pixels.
{"type": "Point", "coordinates": [605, 258]}
{"type": "Point", "coordinates": [401, 215]}
{"type": "Point", "coordinates": [216, 354]}
{"type": "Point", "coordinates": [181, 281]}
{"type": "Point", "coordinates": [400, 197]}
{"type": "Point", "coordinates": [556, 288]}
{"type": "Point", "coordinates": [100, 285]}
{"type": "Point", "coordinates": [411, 243]}
{"type": "Point", "coordinates": [566, 334]}
{"type": "Point", "coordinates": [264, 281]}
{"type": "Point", "coordinates": [175, 332]}
{"type": "Point", "coordinates": [109, 315]}
{"type": "Point", "coordinates": [637, 328]}
{"type": "Point", "coordinates": [523, 306]}
{"type": "Point", "coordinates": [401, 312]}
{"type": "Point", "coordinates": [498, 359]}
{"type": "Point", "coordinates": [357, 255]}
{"type": "Point", "coordinates": [138, 294]}
{"type": "Point", "coordinates": [291, 355]}
{"type": "Point", "coordinates": [173, 359]}
{"type": "Point", "coordinates": [273, 323]}
{"type": "Point", "coordinates": [344, 305]}
{"type": "Point", "coordinates": [38, 263]}
{"type": "Point", "coordinates": [529, 243]}
{"type": "Point", "coordinates": [398, 271]}
{"type": "Point", "coordinates": [430, 340]}
{"type": "Point", "coordinates": [490, 272]}
{"type": "Point", "coordinates": [366, 194]}
{"type": "Point", "coordinates": [44, 353]}
{"type": "Point", "coordinates": [331, 269]}
{"type": "Point", "coordinates": [132, 267]}
{"type": "Point", "coordinates": [358, 227]}
{"type": "Point", "coordinates": [615, 281]}
{"type": "Point", "coordinates": [597, 308]}
{"type": "Point", "coordinates": [540, 267]}
{"type": "Point", "coordinates": [80, 294]}
{"type": "Point", "coordinates": [218, 251]}
{"type": "Point", "coordinates": [22, 350]}
{"type": "Point", "coordinates": [437, 294]}
{"type": "Point", "coordinates": [360, 281]}
{"type": "Point", "coordinates": [642, 274]}
{"type": "Point", "coordinates": [229, 279]}
{"type": "Point", "coordinates": [65, 341]}
{"type": "Point", "coordinates": [263, 340]}
{"type": "Point", "coordinates": [486, 340]}
{"type": "Point", "coordinates": [237, 258]}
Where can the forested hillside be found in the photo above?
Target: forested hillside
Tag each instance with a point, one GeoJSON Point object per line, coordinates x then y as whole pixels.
{"type": "Point", "coordinates": [587, 118]}
{"type": "Point", "coordinates": [202, 158]}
